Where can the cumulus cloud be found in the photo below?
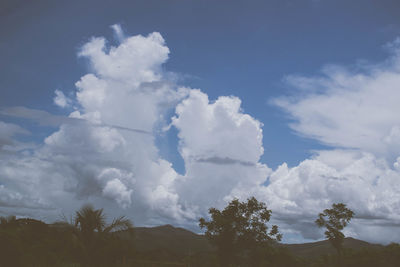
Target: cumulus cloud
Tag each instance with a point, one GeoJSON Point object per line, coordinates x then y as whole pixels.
{"type": "Point", "coordinates": [221, 129]}
{"type": "Point", "coordinates": [354, 111]}
{"type": "Point", "coordinates": [136, 60]}
{"type": "Point", "coordinates": [365, 183]}
{"type": "Point", "coordinates": [105, 151]}
{"type": "Point", "coordinates": [118, 191]}
{"type": "Point", "coordinates": [221, 147]}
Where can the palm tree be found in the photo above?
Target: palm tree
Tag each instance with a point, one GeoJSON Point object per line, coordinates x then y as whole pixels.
{"type": "Point", "coordinates": [93, 231]}
{"type": "Point", "coordinates": [89, 220]}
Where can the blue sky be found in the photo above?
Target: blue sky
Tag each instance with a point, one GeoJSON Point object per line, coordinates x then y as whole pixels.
{"type": "Point", "coordinates": [257, 51]}
{"type": "Point", "coordinates": [241, 48]}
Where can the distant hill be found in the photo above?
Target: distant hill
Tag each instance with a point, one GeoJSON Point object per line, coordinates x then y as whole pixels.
{"type": "Point", "coordinates": [173, 239]}
{"type": "Point", "coordinates": [315, 249]}
{"type": "Point", "coordinates": [179, 241]}
{"type": "Point", "coordinates": [169, 244]}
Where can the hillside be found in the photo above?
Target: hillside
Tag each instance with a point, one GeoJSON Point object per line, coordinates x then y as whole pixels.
{"type": "Point", "coordinates": [315, 249]}
{"type": "Point", "coordinates": [179, 241]}
{"type": "Point", "coordinates": [23, 241]}
{"type": "Point", "coordinates": [173, 239]}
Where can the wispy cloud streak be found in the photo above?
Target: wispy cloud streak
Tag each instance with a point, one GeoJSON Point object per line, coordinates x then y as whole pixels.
{"type": "Point", "coordinates": [47, 119]}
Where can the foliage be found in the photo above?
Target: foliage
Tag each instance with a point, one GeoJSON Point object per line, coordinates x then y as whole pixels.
{"type": "Point", "coordinates": [335, 219]}
{"type": "Point", "coordinates": [87, 242]}
{"type": "Point", "coordinates": [29, 242]}
{"type": "Point", "coordinates": [240, 230]}
{"type": "Point", "coordinates": [100, 245]}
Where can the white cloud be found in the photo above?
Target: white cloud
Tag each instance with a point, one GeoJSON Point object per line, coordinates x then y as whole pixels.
{"type": "Point", "coordinates": [365, 183]}
{"type": "Point", "coordinates": [119, 34]}
{"type": "Point", "coordinates": [118, 191]}
{"type": "Point", "coordinates": [355, 111]}
{"type": "Point", "coordinates": [136, 60]}
{"type": "Point", "coordinates": [349, 108]}
{"type": "Point", "coordinates": [61, 100]}
{"type": "Point", "coordinates": [105, 151]}
{"type": "Point", "coordinates": [89, 158]}
{"type": "Point", "coordinates": [221, 129]}
{"type": "Point", "coordinates": [221, 147]}
{"type": "Point", "coordinates": [84, 138]}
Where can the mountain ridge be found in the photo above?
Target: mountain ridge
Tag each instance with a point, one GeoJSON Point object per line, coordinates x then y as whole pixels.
{"type": "Point", "coordinates": [179, 240]}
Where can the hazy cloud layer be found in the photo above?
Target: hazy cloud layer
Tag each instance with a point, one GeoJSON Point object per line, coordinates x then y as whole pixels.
{"type": "Point", "coordinates": [104, 150]}
{"type": "Point", "coordinates": [7, 133]}
{"type": "Point", "coordinates": [48, 119]}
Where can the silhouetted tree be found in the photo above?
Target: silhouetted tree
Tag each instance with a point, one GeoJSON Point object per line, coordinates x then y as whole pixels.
{"type": "Point", "coordinates": [86, 241]}
{"type": "Point", "coordinates": [7, 221]}
{"type": "Point", "coordinates": [95, 234]}
{"type": "Point", "coordinates": [335, 219]}
{"type": "Point", "coordinates": [240, 230]}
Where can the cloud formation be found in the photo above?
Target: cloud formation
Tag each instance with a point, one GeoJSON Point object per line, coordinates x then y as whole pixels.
{"type": "Point", "coordinates": [349, 107]}
{"type": "Point", "coordinates": [221, 147]}
{"type": "Point", "coordinates": [7, 133]}
{"type": "Point", "coordinates": [61, 100]}
{"type": "Point", "coordinates": [104, 151]}
{"type": "Point", "coordinates": [354, 111]}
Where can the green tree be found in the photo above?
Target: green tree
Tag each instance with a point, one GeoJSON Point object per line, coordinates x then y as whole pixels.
{"type": "Point", "coordinates": [335, 220]}
{"type": "Point", "coordinates": [240, 230]}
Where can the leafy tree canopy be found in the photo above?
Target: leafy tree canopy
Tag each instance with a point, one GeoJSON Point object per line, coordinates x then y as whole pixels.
{"type": "Point", "coordinates": [335, 220]}
{"type": "Point", "coordinates": [240, 227]}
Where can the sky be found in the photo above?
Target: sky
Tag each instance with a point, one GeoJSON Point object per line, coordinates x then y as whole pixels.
{"type": "Point", "coordinates": [159, 110]}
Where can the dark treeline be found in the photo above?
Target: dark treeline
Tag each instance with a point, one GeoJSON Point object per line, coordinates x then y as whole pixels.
{"type": "Point", "coordinates": [239, 236]}
{"type": "Point", "coordinates": [85, 241]}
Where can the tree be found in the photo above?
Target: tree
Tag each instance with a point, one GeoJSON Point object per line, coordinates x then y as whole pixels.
{"type": "Point", "coordinates": [335, 220]}
{"type": "Point", "coordinates": [240, 230]}
{"type": "Point", "coordinates": [6, 221]}
{"type": "Point", "coordinates": [89, 220]}
{"type": "Point", "coordinates": [95, 234]}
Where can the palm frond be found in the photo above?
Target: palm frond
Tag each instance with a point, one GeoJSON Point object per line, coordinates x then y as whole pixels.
{"type": "Point", "coordinates": [119, 224]}
{"type": "Point", "coordinates": [90, 219]}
